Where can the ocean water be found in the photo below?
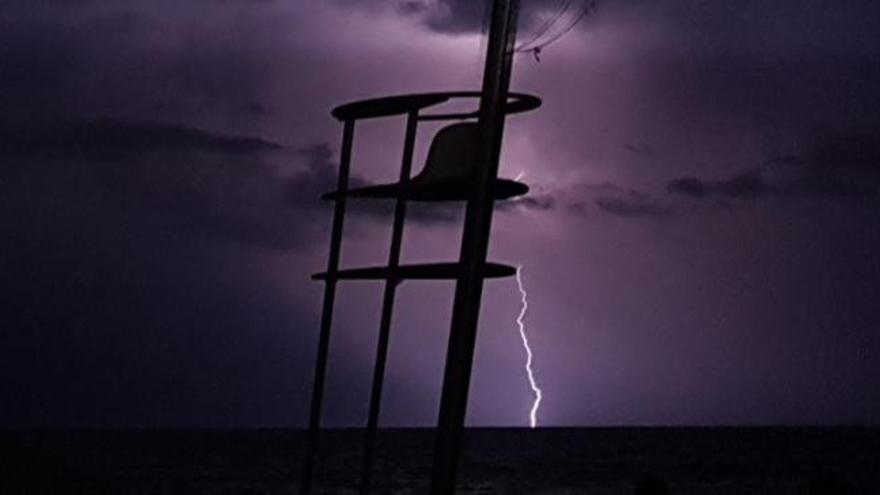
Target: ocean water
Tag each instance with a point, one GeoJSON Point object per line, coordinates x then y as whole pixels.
{"type": "Point", "coordinates": [554, 461]}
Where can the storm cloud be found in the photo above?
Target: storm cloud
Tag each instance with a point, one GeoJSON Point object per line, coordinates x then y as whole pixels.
{"type": "Point", "coordinates": [839, 166]}
{"type": "Point", "coordinates": [162, 164]}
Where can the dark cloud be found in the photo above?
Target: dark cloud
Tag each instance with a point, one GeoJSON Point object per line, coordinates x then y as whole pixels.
{"type": "Point", "coordinates": [582, 199]}
{"type": "Point", "coordinates": [633, 207]}
{"type": "Point", "coordinates": [457, 16]}
{"type": "Point", "coordinates": [539, 202]}
{"type": "Point", "coordinates": [701, 25]}
{"type": "Point", "coordinates": [690, 186]}
{"type": "Point", "coordinates": [639, 148]}
{"type": "Point", "coordinates": [49, 54]}
{"type": "Point", "coordinates": [109, 139]}
{"type": "Point", "coordinates": [743, 186]}
{"type": "Point", "coordinates": [129, 229]}
{"type": "Point", "coordinates": [472, 16]}
{"type": "Point", "coordinates": [448, 16]}
{"type": "Point", "coordinates": [412, 7]}
{"type": "Point", "coordinates": [188, 181]}
{"type": "Point", "coordinates": [623, 202]}
{"type": "Point", "coordinates": [857, 152]}
{"type": "Point", "coordinates": [836, 165]}
{"type": "Point", "coordinates": [319, 177]}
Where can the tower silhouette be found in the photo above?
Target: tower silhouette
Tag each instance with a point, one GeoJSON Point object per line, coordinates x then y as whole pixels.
{"type": "Point", "coordinates": [462, 165]}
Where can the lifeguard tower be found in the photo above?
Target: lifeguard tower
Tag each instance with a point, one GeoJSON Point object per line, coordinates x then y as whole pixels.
{"type": "Point", "coordinates": [462, 165]}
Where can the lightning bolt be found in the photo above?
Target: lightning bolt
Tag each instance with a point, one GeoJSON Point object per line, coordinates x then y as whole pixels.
{"type": "Point", "coordinates": [533, 414]}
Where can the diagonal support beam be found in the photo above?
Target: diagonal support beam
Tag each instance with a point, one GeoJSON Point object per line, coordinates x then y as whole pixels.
{"type": "Point", "coordinates": [387, 309]}
{"type": "Point", "coordinates": [474, 249]}
{"type": "Point", "coordinates": [327, 312]}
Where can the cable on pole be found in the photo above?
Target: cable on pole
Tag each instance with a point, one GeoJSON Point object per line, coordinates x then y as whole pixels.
{"type": "Point", "coordinates": [562, 7]}
{"type": "Point", "coordinates": [535, 45]}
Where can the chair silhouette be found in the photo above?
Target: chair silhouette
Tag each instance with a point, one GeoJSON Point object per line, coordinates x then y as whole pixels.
{"type": "Point", "coordinates": [448, 172]}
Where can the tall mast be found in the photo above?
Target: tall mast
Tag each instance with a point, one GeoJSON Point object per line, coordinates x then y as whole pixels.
{"type": "Point", "coordinates": [474, 248]}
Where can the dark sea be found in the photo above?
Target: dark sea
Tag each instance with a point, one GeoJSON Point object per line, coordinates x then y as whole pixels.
{"type": "Point", "coordinates": [552, 461]}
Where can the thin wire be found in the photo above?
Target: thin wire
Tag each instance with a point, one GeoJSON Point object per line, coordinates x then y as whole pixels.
{"type": "Point", "coordinates": [547, 25]}
{"type": "Point", "coordinates": [586, 11]}
{"type": "Point", "coordinates": [589, 6]}
{"type": "Point", "coordinates": [563, 6]}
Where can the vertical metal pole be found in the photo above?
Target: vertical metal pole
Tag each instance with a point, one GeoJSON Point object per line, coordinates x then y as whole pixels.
{"type": "Point", "coordinates": [474, 248]}
{"type": "Point", "coordinates": [387, 308]}
{"type": "Point", "coordinates": [327, 310]}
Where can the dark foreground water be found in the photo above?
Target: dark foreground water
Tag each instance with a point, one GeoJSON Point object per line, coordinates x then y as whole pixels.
{"type": "Point", "coordinates": [515, 461]}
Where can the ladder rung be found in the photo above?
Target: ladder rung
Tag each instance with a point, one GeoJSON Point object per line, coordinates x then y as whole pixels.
{"type": "Point", "coordinates": [430, 271]}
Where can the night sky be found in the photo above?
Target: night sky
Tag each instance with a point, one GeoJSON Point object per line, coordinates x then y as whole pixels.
{"type": "Point", "coordinates": [700, 244]}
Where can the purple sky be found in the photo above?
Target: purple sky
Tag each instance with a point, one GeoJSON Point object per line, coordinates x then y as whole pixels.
{"type": "Point", "coordinates": [700, 247]}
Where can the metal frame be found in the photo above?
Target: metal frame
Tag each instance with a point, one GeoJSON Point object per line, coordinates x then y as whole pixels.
{"type": "Point", "coordinates": [495, 103]}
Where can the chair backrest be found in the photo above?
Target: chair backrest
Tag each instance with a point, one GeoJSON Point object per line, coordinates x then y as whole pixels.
{"type": "Point", "coordinates": [452, 154]}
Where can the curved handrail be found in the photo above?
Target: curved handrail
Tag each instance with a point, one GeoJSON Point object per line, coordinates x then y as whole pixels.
{"type": "Point", "coordinates": [402, 104]}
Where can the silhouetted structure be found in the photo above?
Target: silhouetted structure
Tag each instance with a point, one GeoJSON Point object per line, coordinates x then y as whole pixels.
{"type": "Point", "coordinates": [462, 165]}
